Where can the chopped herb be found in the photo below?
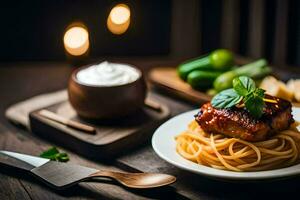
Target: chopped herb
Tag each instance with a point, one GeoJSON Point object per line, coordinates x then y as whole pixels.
{"type": "Point", "coordinates": [244, 90]}
{"type": "Point", "coordinates": [54, 154]}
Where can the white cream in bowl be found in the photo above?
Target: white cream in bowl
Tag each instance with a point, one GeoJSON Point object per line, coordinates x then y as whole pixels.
{"type": "Point", "coordinates": [108, 74]}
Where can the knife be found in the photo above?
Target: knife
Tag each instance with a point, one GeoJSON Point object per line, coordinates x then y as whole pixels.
{"type": "Point", "coordinates": [62, 175]}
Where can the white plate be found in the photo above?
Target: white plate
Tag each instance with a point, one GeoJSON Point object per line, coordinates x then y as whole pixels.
{"type": "Point", "coordinates": [164, 145]}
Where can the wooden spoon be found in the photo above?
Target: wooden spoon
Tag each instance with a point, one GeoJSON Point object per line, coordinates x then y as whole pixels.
{"type": "Point", "coordinates": [137, 180]}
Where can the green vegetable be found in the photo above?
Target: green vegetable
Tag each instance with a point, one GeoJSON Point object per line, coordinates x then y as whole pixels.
{"type": "Point", "coordinates": [244, 90]}
{"type": "Point", "coordinates": [54, 154]}
{"type": "Point", "coordinates": [202, 79]}
{"type": "Point", "coordinates": [257, 69]}
{"type": "Point", "coordinates": [224, 81]}
{"type": "Point", "coordinates": [211, 92]}
{"type": "Point", "coordinates": [220, 59]}
{"type": "Point", "coordinates": [202, 63]}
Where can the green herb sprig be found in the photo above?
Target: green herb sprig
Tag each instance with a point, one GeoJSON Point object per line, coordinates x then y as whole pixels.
{"type": "Point", "coordinates": [54, 154]}
{"type": "Point", "coordinates": [245, 91]}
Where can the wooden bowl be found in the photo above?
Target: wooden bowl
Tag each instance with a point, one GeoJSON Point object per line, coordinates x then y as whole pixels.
{"type": "Point", "coordinates": [106, 102]}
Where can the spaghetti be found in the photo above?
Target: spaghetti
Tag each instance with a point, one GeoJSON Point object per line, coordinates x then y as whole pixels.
{"type": "Point", "coordinates": [221, 152]}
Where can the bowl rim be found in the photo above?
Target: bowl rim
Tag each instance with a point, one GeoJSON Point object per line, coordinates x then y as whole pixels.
{"type": "Point", "coordinates": [74, 78]}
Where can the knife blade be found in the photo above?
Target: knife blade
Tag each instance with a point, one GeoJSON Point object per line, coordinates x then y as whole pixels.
{"type": "Point", "coordinates": [32, 160]}
{"type": "Point", "coordinates": [56, 174]}
{"type": "Point", "coordinates": [21, 161]}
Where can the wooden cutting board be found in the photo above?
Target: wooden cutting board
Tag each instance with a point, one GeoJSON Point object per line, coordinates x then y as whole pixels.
{"type": "Point", "coordinates": [167, 78]}
{"type": "Point", "coordinates": [111, 138]}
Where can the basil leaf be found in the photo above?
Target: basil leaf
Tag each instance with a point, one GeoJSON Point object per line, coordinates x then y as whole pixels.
{"type": "Point", "coordinates": [254, 102]}
{"type": "Point", "coordinates": [243, 85]}
{"type": "Point", "coordinates": [50, 152]}
{"type": "Point", "coordinates": [226, 99]}
{"type": "Point", "coordinates": [259, 92]}
{"type": "Point", "coordinates": [62, 157]}
{"type": "Point", "coordinates": [54, 154]}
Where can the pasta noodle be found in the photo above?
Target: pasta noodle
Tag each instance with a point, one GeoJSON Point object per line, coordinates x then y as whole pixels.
{"type": "Point", "coordinates": [221, 152]}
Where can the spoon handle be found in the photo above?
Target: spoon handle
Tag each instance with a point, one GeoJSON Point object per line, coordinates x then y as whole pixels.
{"type": "Point", "coordinates": [118, 176]}
{"type": "Point", "coordinates": [114, 175]}
{"type": "Point", "coordinates": [101, 173]}
{"type": "Point", "coordinates": [137, 180]}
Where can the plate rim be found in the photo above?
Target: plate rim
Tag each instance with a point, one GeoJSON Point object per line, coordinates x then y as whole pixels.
{"type": "Point", "coordinates": [223, 174]}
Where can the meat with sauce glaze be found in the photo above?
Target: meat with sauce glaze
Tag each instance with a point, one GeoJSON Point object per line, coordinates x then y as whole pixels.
{"type": "Point", "coordinates": [238, 122]}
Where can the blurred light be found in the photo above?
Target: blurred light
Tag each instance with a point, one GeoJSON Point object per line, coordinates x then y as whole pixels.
{"type": "Point", "coordinates": [120, 14]}
{"type": "Point", "coordinates": [76, 40]}
{"type": "Point", "coordinates": [119, 19]}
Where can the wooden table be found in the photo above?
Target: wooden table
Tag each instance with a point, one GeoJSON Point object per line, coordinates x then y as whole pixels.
{"type": "Point", "coordinates": [19, 81]}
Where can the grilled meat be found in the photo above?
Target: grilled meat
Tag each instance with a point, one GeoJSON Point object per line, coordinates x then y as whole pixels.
{"type": "Point", "coordinates": [238, 122]}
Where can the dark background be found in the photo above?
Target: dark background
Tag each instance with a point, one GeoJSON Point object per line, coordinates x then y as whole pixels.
{"type": "Point", "coordinates": [33, 29]}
